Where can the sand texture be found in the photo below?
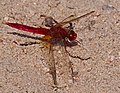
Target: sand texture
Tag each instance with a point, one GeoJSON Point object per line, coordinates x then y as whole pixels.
{"type": "Point", "coordinates": [24, 69]}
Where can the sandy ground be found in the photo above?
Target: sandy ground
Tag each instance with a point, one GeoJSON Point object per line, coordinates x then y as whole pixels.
{"type": "Point", "coordinates": [24, 69]}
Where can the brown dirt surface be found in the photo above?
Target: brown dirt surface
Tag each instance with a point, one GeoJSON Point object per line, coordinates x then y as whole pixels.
{"type": "Point", "coordinates": [23, 69]}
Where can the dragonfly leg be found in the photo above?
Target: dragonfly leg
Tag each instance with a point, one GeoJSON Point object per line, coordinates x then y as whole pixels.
{"type": "Point", "coordinates": [70, 28]}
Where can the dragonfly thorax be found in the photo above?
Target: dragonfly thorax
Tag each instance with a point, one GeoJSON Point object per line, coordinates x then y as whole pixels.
{"type": "Point", "coordinates": [62, 33]}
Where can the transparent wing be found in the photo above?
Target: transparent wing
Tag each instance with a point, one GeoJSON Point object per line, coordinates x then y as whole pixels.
{"type": "Point", "coordinates": [67, 18]}
{"type": "Point", "coordinates": [63, 67]}
{"type": "Point", "coordinates": [74, 19]}
{"type": "Point", "coordinates": [59, 65]}
{"type": "Point", "coordinates": [50, 61]}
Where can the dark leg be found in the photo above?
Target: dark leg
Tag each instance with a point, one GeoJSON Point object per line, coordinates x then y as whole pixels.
{"type": "Point", "coordinates": [70, 27]}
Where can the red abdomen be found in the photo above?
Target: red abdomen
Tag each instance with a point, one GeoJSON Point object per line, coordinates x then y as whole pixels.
{"type": "Point", "coordinates": [22, 27]}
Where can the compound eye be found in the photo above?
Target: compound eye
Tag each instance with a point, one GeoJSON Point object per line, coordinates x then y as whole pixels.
{"type": "Point", "coordinates": [72, 36]}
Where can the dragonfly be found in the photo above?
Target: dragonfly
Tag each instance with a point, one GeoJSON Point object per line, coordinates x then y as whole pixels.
{"type": "Point", "coordinates": [55, 33]}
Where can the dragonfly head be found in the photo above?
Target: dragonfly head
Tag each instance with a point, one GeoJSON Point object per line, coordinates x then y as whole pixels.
{"type": "Point", "coordinates": [72, 36]}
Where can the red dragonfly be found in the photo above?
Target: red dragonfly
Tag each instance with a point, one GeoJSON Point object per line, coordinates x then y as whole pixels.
{"type": "Point", "coordinates": [54, 34]}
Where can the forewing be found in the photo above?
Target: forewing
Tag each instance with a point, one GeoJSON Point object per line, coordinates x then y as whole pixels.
{"type": "Point", "coordinates": [74, 19]}
{"type": "Point", "coordinates": [59, 65]}
{"type": "Point", "coordinates": [50, 61]}
{"type": "Point", "coordinates": [63, 67]}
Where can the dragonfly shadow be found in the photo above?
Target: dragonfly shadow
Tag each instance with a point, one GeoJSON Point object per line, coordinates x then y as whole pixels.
{"type": "Point", "coordinates": [28, 36]}
{"type": "Point", "coordinates": [69, 44]}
